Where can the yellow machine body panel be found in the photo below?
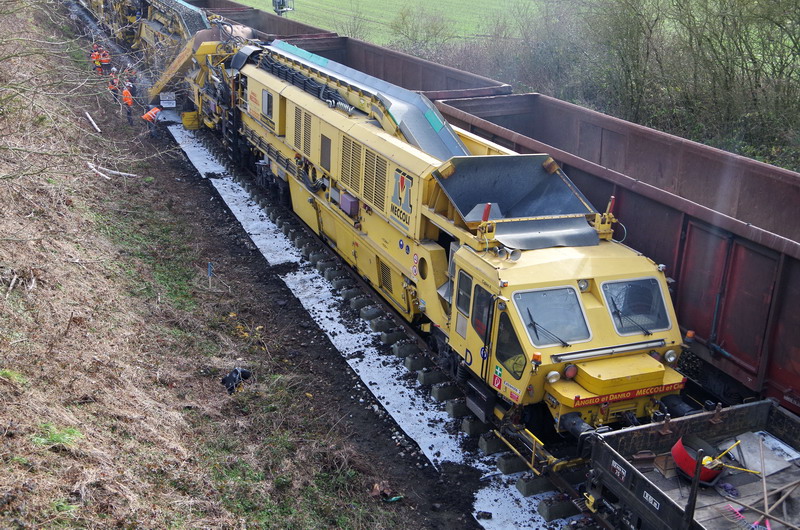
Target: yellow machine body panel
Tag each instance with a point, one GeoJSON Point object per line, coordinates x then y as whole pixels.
{"type": "Point", "coordinates": [305, 209]}
{"type": "Point", "coordinates": [479, 146]}
{"type": "Point", "coordinates": [574, 394]}
{"type": "Point", "coordinates": [565, 397]}
{"type": "Point", "coordinates": [610, 375]}
{"type": "Point", "coordinates": [597, 265]}
{"type": "Point", "coordinates": [359, 163]}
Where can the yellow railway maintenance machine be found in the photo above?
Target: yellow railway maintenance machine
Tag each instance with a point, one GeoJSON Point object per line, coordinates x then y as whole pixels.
{"type": "Point", "coordinates": [496, 256]}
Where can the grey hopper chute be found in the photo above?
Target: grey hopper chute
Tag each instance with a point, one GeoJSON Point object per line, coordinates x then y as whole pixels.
{"type": "Point", "coordinates": [531, 207]}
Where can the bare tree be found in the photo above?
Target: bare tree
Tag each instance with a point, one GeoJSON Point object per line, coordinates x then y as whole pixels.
{"type": "Point", "coordinates": [420, 31]}
{"type": "Point", "coordinates": [626, 37]}
{"type": "Point", "coordinates": [743, 71]}
{"type": "Point", "coordinates": [352, 24]}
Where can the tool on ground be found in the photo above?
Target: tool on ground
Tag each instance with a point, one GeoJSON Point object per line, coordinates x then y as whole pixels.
{"type": "Point", "coordinates": [789, 490]}
{"type": "Point", "coordinates": [761, 512]}
{"type": "Point", "coordinates": [717, 463]}
{"type": "Point", "coordinates": [735, 516]}
{"type": "Point", "coordinates": [739, 468]}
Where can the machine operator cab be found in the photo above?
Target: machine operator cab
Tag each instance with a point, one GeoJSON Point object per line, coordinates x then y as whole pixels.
{"type": "Point", "coordinates": [571, 318]}
{"type": "Point", "coordinates": [599, 345]}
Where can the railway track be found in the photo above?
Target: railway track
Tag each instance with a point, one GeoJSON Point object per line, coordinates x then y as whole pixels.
{"type": "Point", "coordinates": [325, 286]}
{"type": "Point", "coordinates": [320, 281]}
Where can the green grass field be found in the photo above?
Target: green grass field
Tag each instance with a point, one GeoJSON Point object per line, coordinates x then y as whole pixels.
{"type": "Point", "coordinates": [467, 17]}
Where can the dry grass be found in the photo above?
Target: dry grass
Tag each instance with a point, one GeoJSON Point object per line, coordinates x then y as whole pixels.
{"type": "Point", "coordinates": [112, 344]}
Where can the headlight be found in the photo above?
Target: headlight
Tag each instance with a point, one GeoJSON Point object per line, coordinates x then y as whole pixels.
{"type": "Point", "coordinates": [583, 285]}
{"type": "Point", "coordinates": [671, 356]}
{"type": "Point", "coordinates": [553, 376]}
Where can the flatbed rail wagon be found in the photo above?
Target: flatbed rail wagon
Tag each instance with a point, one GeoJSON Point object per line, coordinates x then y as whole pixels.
{"type": "Point", "coordinates": [634, 483]}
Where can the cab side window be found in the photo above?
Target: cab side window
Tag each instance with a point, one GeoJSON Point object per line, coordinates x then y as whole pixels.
{"type": "Point", "coordinates": [464, 292]}
{"type": "Point", "coordinates": [266, 103]}
{"type": "Point", "coordinates": [480, 310]}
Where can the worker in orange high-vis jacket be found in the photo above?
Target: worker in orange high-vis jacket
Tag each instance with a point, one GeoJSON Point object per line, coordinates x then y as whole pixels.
{"type": "Point", "coordinates": [127, 100]}
{"type": "Point", "coordinates": [105, 60]}
{"type": "Point", "coordinates": [151, 116]}
{"type": "Point", "coordinates": [94, 57]}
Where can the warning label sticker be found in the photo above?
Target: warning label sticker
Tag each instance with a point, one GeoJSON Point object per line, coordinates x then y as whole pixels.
{"type": "Point", "coordinates": [497, 382]}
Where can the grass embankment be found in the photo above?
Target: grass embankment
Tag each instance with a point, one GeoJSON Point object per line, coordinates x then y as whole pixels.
{"type": "Point", "coordinates": [112, 340]}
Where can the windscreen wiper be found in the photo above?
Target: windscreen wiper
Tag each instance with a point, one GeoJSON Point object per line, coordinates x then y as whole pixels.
{"type": "Point", "coordinates": [533, 324]}
{"type": "Point", "coordinates": [620, 316]}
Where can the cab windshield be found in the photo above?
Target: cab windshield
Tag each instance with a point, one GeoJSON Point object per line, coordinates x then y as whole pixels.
{"type": "Point", "coordinates": [636, 306]}
{"type": "Point", "coordinates": [552, 316]}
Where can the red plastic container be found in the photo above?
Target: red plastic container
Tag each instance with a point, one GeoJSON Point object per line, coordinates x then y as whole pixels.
{"type": "Point", "coordinates": [684, 452]}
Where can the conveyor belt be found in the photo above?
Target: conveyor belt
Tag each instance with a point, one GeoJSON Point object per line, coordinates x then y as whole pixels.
{"type": "Point", "coordinates": [417, 118]}
{"type": "Point", "coordinates": [531, 207]}
{"type": "Point", "coordinates": [194, 19]}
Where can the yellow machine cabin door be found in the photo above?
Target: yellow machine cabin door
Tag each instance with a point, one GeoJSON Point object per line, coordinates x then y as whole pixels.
{"type": "Point", "coordinates": [508, 366]}
{"type": "Point", "coordinates": [470, 324]}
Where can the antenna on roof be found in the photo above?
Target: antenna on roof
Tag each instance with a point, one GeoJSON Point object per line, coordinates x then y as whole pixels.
{"type": "Point", "coordinates": [282, 6]}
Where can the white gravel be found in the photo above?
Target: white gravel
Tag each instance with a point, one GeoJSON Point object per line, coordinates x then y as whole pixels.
{"type": "Point", "coordinates": [197, 154]}
{"type": "Point", "coordinates": [420, 418]}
